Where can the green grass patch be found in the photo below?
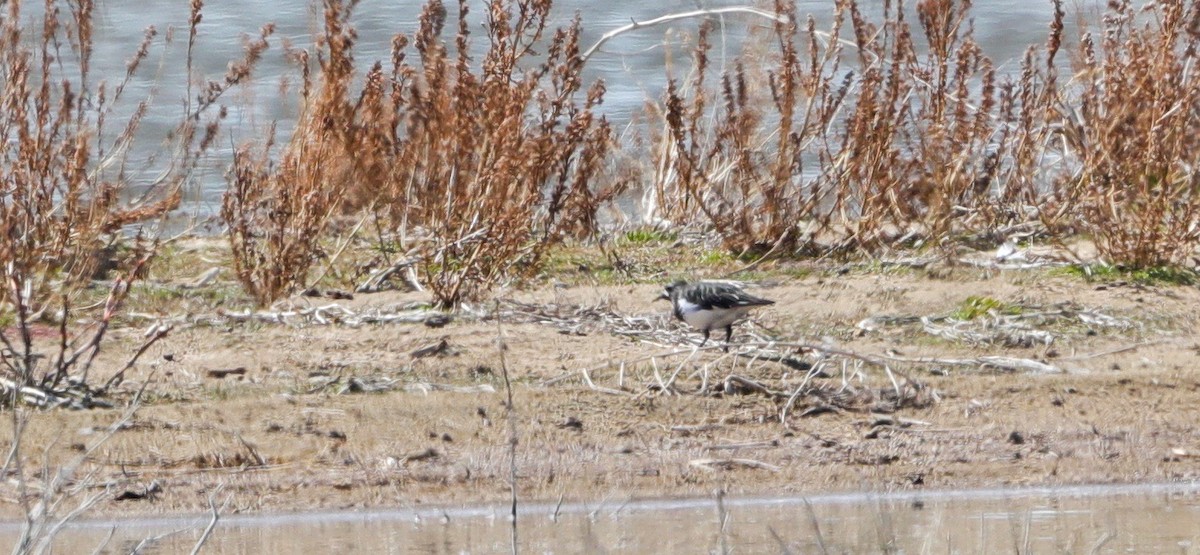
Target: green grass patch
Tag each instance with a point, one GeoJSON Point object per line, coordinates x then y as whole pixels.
{"type": "Point", "coordinates": [714, 257]}
{"type": "Point", "coordinates": [648, 236]}
{"type": "Point", "coordinates": [1165, 275]}
{"type": "Point", "coordinates": [976, 306]}
{"type": "Point", "coordinates": [1158, 275]}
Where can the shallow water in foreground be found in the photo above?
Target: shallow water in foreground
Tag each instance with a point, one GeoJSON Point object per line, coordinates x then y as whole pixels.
{"type": "Point", "coordinates": [1099, 519]}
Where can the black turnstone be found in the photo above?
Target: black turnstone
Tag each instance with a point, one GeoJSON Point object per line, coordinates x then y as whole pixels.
{"type": "Point", "coordinates": [709, 305]}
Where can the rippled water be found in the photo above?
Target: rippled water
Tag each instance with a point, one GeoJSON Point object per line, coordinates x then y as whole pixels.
{"type": "Point", "coordinates": [1102, 519]}
{"type": "Point", "coordinates": [632, 65]}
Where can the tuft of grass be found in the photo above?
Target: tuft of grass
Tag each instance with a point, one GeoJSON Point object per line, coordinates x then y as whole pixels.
{"type": "Point", "coordinates": [715, 257]}
{"type": "Point", "coordinates": [1165, 275]}
{"type": "Point", "coordinates": [648, 236]}
{"type": "Point", "coordinates": [1089, 272]}
{"type": "Point", "coordinates": [1157, 275]}
{"type": "Point", "coordinates": [975, 306]}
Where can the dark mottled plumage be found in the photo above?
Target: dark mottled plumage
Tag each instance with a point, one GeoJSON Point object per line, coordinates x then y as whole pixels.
{"type": "Point", "coordinates": [709, 305]}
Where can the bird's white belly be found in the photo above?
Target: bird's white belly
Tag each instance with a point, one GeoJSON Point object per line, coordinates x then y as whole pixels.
{"type": "Point", "coordinates": [716, 318]}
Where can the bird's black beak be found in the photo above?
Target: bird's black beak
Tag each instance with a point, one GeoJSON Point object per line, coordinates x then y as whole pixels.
{"type": "Point", "coordinates": [664, 296]}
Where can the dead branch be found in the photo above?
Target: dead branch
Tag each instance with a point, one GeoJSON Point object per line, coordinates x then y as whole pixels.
{"type": "Point", "coordinates": [634, 25]}
{"type": "Point", "coordinates": [212, 523]}
{"type": "Point", "coordinates": [1116, 351]}
{"type": "Point", "coordinates": [379, 278]}
{"type": "Point", "coordinates": [154, 334]}
{"type": "Point", "coordinates": [737, 384]}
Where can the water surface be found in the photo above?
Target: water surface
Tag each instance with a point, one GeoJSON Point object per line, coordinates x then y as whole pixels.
{"type": "Point", "coordinates": [1102, 519]}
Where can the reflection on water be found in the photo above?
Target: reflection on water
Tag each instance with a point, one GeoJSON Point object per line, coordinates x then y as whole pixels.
{"type": "Point", "coordinates": [1120, 519]}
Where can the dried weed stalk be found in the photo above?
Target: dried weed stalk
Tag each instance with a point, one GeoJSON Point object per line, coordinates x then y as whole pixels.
{"type": "Point", "coordinates": [743, 169]}
{"type": "Point", "coordinates": [915, 157]}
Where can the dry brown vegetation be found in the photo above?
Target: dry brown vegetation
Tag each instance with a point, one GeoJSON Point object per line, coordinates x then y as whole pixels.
{"type": "Point", "coordinates": [75, 234]}
{"type": "Point", "coordinates": [474, 166]}
{"type": "Point", "coordinates": [66, 217]}
{"type": "Point", "coordinates": [876, 133]}
{"type": "Point", "coordinates": [921, 140]}
{"type": "Point", "coordinates": [1130, 126]}
{"type": "Point", "coordinates": [359, 406]}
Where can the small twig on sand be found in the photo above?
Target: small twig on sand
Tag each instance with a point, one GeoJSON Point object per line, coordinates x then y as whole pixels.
{"type": "Point", "coordinates": [669, 386]}
{"type": "Point", "coordinates": [812, 373]}
{"type": "Point", "coordinates": [588, 380]}
{"type": "Point", "coordinates": [728, 464]}
{"type": "Point", "coordinates": [765, 444]}
{"type": "Point", "coordinates": [1116, 351]}
{"type": "Point", "coordinates": [892, 377]}
{"type": "Point", "coordinates": [695, 429]}
{"type": "Point", "coordinates": [734, 382]}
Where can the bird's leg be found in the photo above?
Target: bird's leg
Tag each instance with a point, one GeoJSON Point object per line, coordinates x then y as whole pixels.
{"type": "Point", "coordinates": [728, 336]}
{"type": "Point", "coordinates": [705, 338]}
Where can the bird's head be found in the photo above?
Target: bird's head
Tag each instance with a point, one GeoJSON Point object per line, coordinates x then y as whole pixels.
{"type": "Point", "coordinates": [666, 294]}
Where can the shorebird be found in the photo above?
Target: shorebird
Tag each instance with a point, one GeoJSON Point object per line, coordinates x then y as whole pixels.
{"type": "Point", "coordinates": [709, 305]}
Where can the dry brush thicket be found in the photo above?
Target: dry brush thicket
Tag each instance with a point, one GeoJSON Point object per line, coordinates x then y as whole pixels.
{"type": "Point", "coordinates": [856, 136]}
{"type": "Point", "coordinates": [74, 233]}
{"type": "Point", "coordinates": [472, 166]}
{"type": "Point", "coordinates": [877, 131]}
{"type": "Point", "coordinates": [472, 155]}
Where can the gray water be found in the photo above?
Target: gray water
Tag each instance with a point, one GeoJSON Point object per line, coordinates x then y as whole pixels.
{"type": "Point", "coordinates": [632, 65]}
{"type": "Point", "coordinates": [1100, 519]}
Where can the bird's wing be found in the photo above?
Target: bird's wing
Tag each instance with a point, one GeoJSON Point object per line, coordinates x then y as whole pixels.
{"type": "Point", "coordinates": [710, 295]}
